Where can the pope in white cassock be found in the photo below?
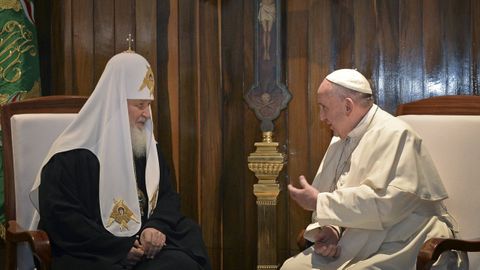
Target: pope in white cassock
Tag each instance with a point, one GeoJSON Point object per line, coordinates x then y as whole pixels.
{"type": "Point", "coordinates": [377, 196]}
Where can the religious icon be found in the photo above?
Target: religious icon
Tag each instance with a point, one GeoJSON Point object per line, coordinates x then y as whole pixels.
{"type": "Point", "coordinates": [266, 17]}
{"type": "Point", "coordinates": [121, 214]}
{"type": "Point", "coordinates": [268, 96]}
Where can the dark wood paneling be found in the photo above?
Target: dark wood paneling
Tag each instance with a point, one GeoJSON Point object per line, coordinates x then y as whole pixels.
{"type": "Point", "coordinates": [163, 119]}
{"type": "Point", "coordinates": [104, 35]}
{"type": "Point", "coordinates": [457, 43]}
{"type": "Point", "coordinates": [203, 52]}
{"type": "Point", "coordinates": [250, 134]}
{"type": "Point", "coordinates": [146, 30]}
{"type": "Point", "coordinates": [83, 53]}
{"type": "Point", "coordinates": [434, 63]}
{"type": "Point", "coordinates": [210, 113]}
{"type": "Point", "coordinates": [234, 247]}
{"type": "Point", "coordinates": [365, 50]}
{"type": "Point", "coordinates": [475, 50]}
{"type": "Point", "coordinates": [298, 148]}
{"type": "Point", "coordinates": [171, 75]}
{"type": "Point", "coordinates": [188, 107]}
{"type": "Point", "coordinates": [61, 57]}
{"type": "Point", "coordinates": [342, 33]}
{"type": "Point", "coordinates": [124, 24]}
{"type": "Point", "coordinates": [42, 24]}
{"type": "Point", "coordinates": [387, 58]}
{"type": "Point", "coordinates": [410, 50]}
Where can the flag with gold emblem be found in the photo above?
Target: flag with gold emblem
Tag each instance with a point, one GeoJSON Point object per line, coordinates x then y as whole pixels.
{"type": "Point", "coordinates": [19, 61]}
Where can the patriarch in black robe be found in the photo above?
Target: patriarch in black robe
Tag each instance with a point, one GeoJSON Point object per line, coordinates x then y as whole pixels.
{"type": "Point", "coordinates": [104, 192]}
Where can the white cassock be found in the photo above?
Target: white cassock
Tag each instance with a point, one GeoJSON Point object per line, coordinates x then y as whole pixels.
{"type": "Point", "coordinates": [388, 198]}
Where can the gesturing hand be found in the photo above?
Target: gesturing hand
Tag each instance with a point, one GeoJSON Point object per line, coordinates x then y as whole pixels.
{"type": "Point", "coordinates": [152, 241]}
{"type": "Point", "coordinates": [326, 242]}
{"type": "Point", "coordinates": [306, 196]}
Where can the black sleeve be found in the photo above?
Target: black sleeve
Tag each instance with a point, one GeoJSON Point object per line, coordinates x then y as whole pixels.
{"type": "Point", "coordinates": [166, 214]}
{"type": "Point", "coordinates": [70, 212]}
{"type": "Point", "coordinates": [182, 233]}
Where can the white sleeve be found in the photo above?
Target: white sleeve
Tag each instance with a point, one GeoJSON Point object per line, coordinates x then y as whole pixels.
{"type": "Point", "coordinates": [361, 207]}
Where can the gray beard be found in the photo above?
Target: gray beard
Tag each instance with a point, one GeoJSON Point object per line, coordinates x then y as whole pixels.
{"type": "Point", "coordinates": [139, 141]}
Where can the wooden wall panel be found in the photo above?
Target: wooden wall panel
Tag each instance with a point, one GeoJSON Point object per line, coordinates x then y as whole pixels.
{"type": "Point", "coordinates": [297, 75]}
{"type": "Point", "coordinates": [124, 11]}
{"type": "Point", "coordinates": [210, 116]}
{"type": "Point", "coordinates": [250, 134]}
{"type": "Point", "coordinates": [83, 52]}
{"type": "Point", "coordinates": [365, 49]}
{"type": "Point", "coordinates": [457, 43]}
{"type": "Point", "coordinates": [387, 58]}
{"type": "Point", "coordinates": [475, 50]}
{"type": "Point", "coordinates": [434, 64]}
{"type": "Point", "coordinates": [61, 58]}
{"type": "Point", "coordinates": [234, 229]}
{"type": "Point", "coordinates": [188, 107]}
{"type": "Point", "coordinates": [342, 33]}
{"type": "Point", "coordinates": [104, 35]}
{"type": "Point", "coordinates": [410, 50]}
{"type": "Point", "coordinates": [170, 72]}
{"type": "Point", "coordinates": [164, 117]}
{"type": "Point", "coordinates": [203, 54]}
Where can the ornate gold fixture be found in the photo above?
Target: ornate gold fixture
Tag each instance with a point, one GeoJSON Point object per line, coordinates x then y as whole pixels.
{"type": "Point", "coordinates": [266, 162]}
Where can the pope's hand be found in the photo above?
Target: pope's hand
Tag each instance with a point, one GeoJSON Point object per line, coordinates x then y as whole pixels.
{"type": "Point", "coordinates": [306, 196]}
{"type": "Point", "coordinates": [326, 242]}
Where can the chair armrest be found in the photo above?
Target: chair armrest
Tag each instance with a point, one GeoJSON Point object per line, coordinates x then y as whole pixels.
{"type": "Point", "coordinates": [38, 241]}
{"type": "Point", "coordinates": [432, 249]}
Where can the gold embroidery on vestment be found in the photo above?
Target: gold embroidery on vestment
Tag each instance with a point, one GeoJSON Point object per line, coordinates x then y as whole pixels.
{"type": "Point", "coordinates": [142, 200]}
{"type": "Point", "coordinates": [153, 202]}
{"type": "Point", "coordinates": [121, 214]}
{"type": "Point", "coordinates": [148, 81]}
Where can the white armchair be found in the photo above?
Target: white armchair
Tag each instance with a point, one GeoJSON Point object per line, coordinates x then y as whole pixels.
{"type": "Point", "coordinates": [450, 128]}
{"type": "Point", "coordinates": [29, 128]}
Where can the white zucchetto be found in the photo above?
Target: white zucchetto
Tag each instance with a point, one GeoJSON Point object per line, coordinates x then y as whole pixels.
{"type": "Point", "coordinates": [351, 79]}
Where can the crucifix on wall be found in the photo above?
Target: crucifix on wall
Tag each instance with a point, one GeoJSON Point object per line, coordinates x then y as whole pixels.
{"type": "Point", "coordinates": [268, 95]}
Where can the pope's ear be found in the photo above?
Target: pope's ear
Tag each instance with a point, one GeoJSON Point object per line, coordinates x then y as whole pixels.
{"type": "Point", "coordinates": [348, 105]}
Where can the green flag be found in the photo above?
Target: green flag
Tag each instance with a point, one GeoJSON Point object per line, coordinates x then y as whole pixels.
{"type": "Point", "coordinates": [19, 62]}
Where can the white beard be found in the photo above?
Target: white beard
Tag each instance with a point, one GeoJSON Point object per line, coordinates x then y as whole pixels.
{"type": "Point", "coordinates": [139, 141]}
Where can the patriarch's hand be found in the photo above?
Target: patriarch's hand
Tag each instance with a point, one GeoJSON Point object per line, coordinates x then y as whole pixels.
{"type": "Point", "coordinates": [152, 241]}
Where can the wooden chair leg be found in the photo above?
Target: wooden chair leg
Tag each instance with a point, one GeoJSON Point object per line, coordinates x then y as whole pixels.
{"type": "Point", "coordinates": [10, 255]}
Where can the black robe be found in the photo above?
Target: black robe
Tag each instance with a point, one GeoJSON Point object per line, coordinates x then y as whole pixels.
{"type": "Point", "coordinates": [70, 214]}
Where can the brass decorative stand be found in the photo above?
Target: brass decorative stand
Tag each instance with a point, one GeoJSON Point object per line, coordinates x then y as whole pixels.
{"type": "Point", "coordinates": [266, 162]}
{"type": "Point", "coordinates": [267, 97]}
